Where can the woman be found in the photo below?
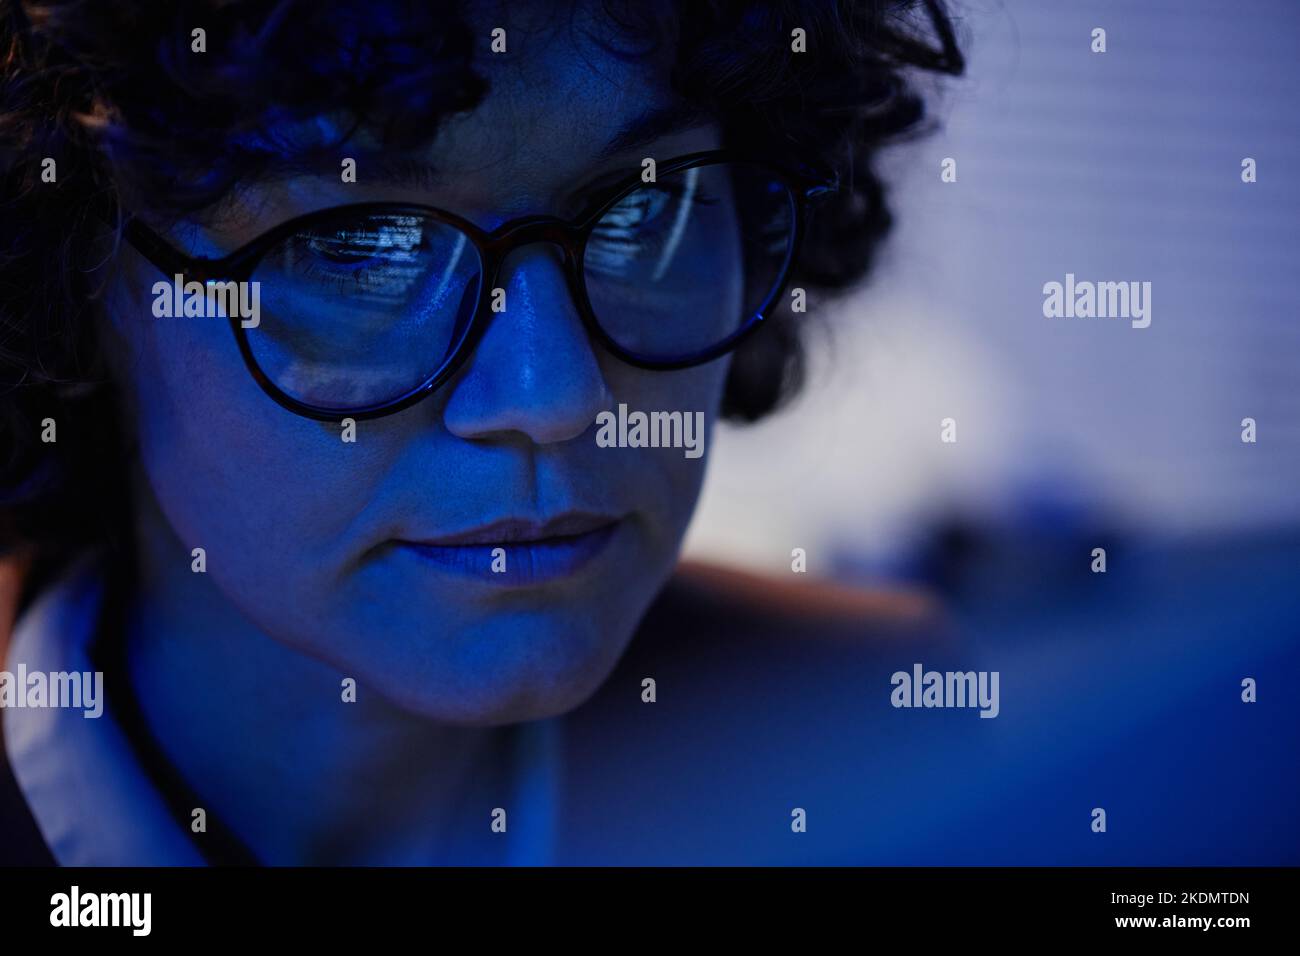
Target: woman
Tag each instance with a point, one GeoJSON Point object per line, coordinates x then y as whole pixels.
{"type": "Point", "coordinates": [311, 313]}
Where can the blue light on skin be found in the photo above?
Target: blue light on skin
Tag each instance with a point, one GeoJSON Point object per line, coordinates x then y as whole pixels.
{"type": "Point", "coordinates": [522, 553]}
{"type": "Point", "coordinates": [238, 670]}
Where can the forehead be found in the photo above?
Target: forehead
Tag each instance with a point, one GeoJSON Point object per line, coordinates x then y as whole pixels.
{"type": "Point", "coordinates": [568, 82]}
{"type": "Point", "coordinates": [573, 98]}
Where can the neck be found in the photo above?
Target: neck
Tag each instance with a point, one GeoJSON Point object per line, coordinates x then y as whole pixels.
{"type": "Point", "coordinates": [263, 735]}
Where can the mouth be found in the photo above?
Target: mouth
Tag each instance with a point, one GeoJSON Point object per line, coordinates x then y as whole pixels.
{"type": "Point", "coordinates": [520, 551]}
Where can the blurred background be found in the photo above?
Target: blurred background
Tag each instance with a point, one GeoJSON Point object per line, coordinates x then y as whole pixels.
{"type": "Point", "coordinates": [1117, 166]}
{"type": "Point", "coordinates": [1119, 690]}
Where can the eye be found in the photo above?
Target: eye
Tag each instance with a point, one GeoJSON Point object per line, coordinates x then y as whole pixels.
{"type": "Point", "coordinates": [385, 238]}
{"type": "Point", "coordinates": [645, 232]}
{"type": "Point", "coordinates": [655, 205]}
{"type": "Point", "coordinates": [381, 254]}
{"type": "Point", "coordinates": [634, 211]}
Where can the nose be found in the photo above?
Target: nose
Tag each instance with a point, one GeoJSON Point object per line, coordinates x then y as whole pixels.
{"type": "Point", "coordinates": [534, 371]}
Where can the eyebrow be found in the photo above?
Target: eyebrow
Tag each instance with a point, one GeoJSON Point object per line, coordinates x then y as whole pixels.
{"type": "Point", "coordinates": [640, 130]}
{"type": "Point", "coordinates": [402, 171]}
{"type": "Point", "coordinates": [651, 125]}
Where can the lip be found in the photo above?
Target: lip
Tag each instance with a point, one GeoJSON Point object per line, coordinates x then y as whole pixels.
{"type": "Point", "coordinates": [531, 551]}
{"type": "Point", "coordinates": [524, 530]}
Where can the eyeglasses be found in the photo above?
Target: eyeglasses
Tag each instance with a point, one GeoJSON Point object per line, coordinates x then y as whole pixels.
{"type": "Point", "coordinates": [365, 309]}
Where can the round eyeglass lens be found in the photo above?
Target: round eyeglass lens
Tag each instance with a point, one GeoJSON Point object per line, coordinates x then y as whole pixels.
{"type": "Point", "coordinates": [361, 309]}
{"type": "Point", "coordinates": [678, 266]}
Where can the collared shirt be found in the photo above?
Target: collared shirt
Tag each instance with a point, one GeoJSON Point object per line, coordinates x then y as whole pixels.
{"type": "Point", "coordinates": [93, 801]}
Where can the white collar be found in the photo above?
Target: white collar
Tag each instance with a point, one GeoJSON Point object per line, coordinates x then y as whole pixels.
{"type": "Point", "coordinates": [90, 798]}
{"type": "Point", "coordinates": [93, 802]}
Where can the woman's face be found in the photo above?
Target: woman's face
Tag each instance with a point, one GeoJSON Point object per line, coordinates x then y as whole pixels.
{"type": "Point", "coordinates": [354, 552]}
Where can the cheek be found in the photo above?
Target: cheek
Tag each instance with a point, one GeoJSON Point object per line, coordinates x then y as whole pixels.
{"type": "Point", "coordinates": [268, 494]}
{"type": "Point", "coordinates": [667, 475]}
{"type": "Point", "coordinates": [283, 508]}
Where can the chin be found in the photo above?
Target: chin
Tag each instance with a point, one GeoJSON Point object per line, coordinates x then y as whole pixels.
{"type": "Point", "coordinates": [505, 671]}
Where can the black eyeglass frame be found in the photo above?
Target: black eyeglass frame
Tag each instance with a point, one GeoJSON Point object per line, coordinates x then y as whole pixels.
{"type": "Point", "coordinates": [571, 236]}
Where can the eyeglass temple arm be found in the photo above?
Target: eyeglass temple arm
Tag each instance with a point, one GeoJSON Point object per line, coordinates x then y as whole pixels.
{"type": "Point", "coordinates": [822, 187]}
{"type": "Point", "coordinates": [164, 256]}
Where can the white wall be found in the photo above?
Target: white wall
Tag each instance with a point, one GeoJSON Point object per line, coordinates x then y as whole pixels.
{"type": "Point", "coordinates": [1115, 166]}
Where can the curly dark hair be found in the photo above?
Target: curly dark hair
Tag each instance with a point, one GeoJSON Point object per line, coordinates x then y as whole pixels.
{"type": "Point", "coordinates": [109, 91]}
